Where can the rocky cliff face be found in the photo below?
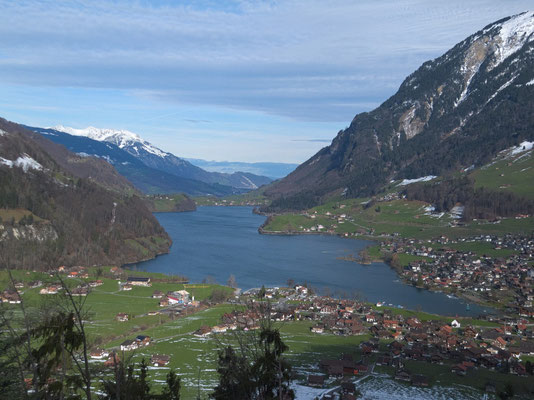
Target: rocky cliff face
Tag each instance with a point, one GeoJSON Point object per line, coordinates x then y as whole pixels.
{"type": "Point", "coordinates": [457, 110]}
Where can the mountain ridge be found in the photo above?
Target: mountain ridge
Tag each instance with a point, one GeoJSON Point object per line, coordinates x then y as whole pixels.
{"type": "Point", "coordinates": [158, 159]}
{"type": "Point", "coordinates": [454, 111]}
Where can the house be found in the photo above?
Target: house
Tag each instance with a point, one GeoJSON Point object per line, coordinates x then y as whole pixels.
{"type": "Point", "coordinates": [128, 345]}
{"type": "Point", "coordinates": [159, 360]}
{"type": "Point", "coordinates": [126, 287]}
{"type": "Point", "coordinates": [96, 283]}
{"type": "Point", "coordinates": [79, 291]}
{"type": "Point", "coordinates": [500, 343]}
{"type": "Point", "coordinates": [158, 294]}
{"type": "Point", "coordinates": [10, 296]}
{"type": "Point", "coordinates": [143, 340]}
{"type": "Point", "coordinates": [219, 329]}
{"type": "Point", "coordinates": [318, 329]}
{"type": "Point", "coordinates": [99, 354]}
{"type": "Point", "coordinates": [455, 324]}
{"type": "Point", "coordinates": [53, 289]}
{"type": "Point", "coordinates": [171, 300]}
{"type": "Point", "coordinates": [164, 302]}
{"type": "Point", "coordinates": [138, 281]}
{"type": "Point", "coordinates": [122, 317]}
{"type": "Point", "coordinates": [203, 331]}
{"type": "Point", "coordinates": [35, 284]}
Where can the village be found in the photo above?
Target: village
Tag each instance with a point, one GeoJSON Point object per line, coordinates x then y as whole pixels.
{"type": "Point", "coordinates": [503, 282]}
{"type": "Point", "coordinates": [387, 340]}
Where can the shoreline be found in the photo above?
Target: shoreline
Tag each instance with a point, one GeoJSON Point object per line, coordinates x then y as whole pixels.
{"type": "Point", "coordinates": [493, 309]}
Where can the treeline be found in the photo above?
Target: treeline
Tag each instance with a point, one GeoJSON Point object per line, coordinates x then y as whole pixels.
{"type": "Point", "coordinates": [480, 203]}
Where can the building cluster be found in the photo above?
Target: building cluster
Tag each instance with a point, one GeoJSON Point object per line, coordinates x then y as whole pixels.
{"type": "Point", "coordinates": [508, 281]}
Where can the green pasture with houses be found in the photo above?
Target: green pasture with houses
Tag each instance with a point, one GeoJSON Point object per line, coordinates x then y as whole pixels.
{"type": "Point", "coordinates": [195, 358]}
{"type": "Point", "coordinates": [395, 217]}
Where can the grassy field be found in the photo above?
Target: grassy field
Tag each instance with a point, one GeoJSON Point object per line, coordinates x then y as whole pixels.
{"type": "Point", "coordinates": [399, 217]}
{"type": "Point", "coordinates": [482, 248]}
{"type": "Point", "coordinates": [514, 174]}
{"type": "Point", "coordinates": [16, 214]}
{"type": "Point", "coordinates": [195, 358]}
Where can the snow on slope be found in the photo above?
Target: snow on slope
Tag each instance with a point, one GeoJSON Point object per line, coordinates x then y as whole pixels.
{"type": "Point", "coordinates": [120, 137]}
{"type": "Point", "coordinates": [523, 146]}
{"type": "Point", "coordinates": [25, 162]}
{"type": "Point", "coordinates": [514, 33]}
{"type": "Point", "coordinates": [422, 179]}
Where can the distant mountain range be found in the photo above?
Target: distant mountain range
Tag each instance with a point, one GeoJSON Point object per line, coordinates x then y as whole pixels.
{"type": "Point", "coordinates": [149, 168]}
{"type": "Point", "coordinates": [57, 207]}
{"type": "Point", "coordinates": [271, 169]}
{"type": "Point", "coordinates": [454, 112]}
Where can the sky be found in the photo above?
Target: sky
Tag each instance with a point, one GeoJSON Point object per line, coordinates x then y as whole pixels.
{"type": "Point", "coordinates": [235, 80]}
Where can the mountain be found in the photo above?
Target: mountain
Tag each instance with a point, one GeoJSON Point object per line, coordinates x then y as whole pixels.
{"type": "Point", "coordinates": [60, 208]}
{"type": "Point", "coordinates": [271, 169]}
{"type": "Point", "coordinates": [455, 111]}
{"type": "Point", "coordinates": [148, 180]}
{"type": "Point", "coordinates": [160, 160]}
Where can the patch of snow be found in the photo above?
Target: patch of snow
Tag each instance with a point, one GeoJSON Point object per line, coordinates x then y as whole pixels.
{"type": "Point", "coordinates": [471, 72]}
{"type": "Point", "coordinates": [523, 146]}
{"type": "Point", "coordinates": [2, 132]}
{"type": "Point", "coordinates": [153, 150]}
{"type": "Point", "coordinates": [47, 133]}
{"type": "Point", "coordinates": [514, 33]}
{"type": "Point", "coordinates": [530, 83]}
{"type": "Point", "coordinates": [422, 179]}
{"type": "Point", "coordinates": [504, 86]}
{"type": "Point", "coordinates": [83, 154]}
{"type": "Point", "coordinates": [307, 393]}
{"type": "Point", "coordinates": [25, 162]}
{"type": "Point", "coordinates": [120, 137]}
{"type": "Point", "coordinates": [248, 182]}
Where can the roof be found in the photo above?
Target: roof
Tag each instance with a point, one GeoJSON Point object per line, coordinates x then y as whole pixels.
{"type": "Point", "coordinates": [138, 279]}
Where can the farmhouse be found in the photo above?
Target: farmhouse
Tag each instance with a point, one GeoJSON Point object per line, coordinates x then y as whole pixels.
{"type": "Point", "coordinates": [159, 360]}
{"type": "Point", "coordinates": [99, 354]}
{"type": "Point", "coordinates": [121, 317]}
{"type": "Point", "coordinates": [128, 345]}
{"type": "Point", "coordinates": [138, 281]}
{"type": "Point", "coordinates": [9, 296]}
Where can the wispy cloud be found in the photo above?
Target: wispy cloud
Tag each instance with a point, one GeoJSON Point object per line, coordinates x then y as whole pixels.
{"type": "Point", "coordinates": [305, 59]}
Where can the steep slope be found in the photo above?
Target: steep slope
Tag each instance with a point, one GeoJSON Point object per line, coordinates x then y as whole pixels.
{"type": "Point", "coordinates": [455, 111]}
{"type": "Point", "coordinates": [155, 158]}
{"type": "Point", "coordinates": [67, 219]}
{"type": "Point", "coordinates": [146, 179]}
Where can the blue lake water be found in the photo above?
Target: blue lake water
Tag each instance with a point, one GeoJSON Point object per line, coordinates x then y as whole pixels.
{"type": "Point", "coordinates": [219, 241]}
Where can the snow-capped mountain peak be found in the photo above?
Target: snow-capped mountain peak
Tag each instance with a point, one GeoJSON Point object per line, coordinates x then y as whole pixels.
{"type": "Point", "coordinates": [120, 137]}
{"type": "Point", "coordinates": [513, 34]}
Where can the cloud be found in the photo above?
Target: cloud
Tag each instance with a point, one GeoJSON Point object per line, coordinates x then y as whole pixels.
{"type": "Point", "coordinates": [304, 59]}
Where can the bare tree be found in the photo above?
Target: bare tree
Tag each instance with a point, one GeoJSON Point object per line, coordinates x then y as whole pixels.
{"type": "Point", "coordinates": [232, 282]}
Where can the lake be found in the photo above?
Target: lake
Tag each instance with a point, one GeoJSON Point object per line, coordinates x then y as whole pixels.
{"type": "Point", "coordinates": [214, 242]}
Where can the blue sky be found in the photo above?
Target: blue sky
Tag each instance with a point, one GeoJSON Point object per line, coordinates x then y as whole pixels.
{"type": "Point", "coordinates": [222, 80]}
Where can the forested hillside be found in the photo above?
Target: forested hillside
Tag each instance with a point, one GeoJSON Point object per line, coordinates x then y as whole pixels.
{"type": "Point", "coordinates": [66, 218]}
